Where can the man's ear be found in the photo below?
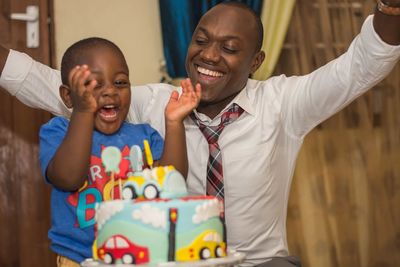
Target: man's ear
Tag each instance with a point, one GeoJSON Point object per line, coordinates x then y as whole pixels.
{"type": "Point", "coordinates": [65, 94]}
{"type": "Point", "coordinates": [257, 61]}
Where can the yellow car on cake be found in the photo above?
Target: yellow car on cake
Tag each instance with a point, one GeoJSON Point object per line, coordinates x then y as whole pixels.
{"type": "Point", "coordinates": [207, 245]}
{"type": "Point", "coordinates": [158, 182]}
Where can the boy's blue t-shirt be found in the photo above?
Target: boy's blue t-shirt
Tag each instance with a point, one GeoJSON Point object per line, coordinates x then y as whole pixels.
{"type": "Point", "coordinates": [72, 213]}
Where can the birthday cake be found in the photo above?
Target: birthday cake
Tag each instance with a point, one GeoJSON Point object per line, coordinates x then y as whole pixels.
{"type": "Point", "coordinates": [155, 220]}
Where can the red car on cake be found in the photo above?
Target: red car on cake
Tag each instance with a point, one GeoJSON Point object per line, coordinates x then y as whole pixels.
{"type": "Point", "coordinates": [119, 247]}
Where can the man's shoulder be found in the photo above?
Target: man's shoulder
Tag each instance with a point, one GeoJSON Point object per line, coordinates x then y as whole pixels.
{"type": "Point", "coordinates": [144, 95]}
{"type": "Point", "coordinates": [274, 83]}
{"type": "Point", "coordinates": [155, 87]}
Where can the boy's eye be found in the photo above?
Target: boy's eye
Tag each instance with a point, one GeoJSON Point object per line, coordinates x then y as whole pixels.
{"type": "Point", "coordinates": [121, 83]}
{"type": "Point", "coordinates": [98, 85]}
{"type": "Point", "coordinates": [88, 82]}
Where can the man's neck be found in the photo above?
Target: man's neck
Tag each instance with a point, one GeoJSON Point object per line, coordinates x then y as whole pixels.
{"type": "Point", "coordinates": [213, 109]}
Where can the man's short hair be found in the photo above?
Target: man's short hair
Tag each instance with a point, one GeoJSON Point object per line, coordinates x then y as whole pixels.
{"type": "Point", "coordinates": [257, 19]}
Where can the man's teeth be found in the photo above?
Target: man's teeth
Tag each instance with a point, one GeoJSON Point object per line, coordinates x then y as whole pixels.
{"type": "Point", "coordinates": [109, 106]}
{"type": "Point", "coordinates": [209, 72]}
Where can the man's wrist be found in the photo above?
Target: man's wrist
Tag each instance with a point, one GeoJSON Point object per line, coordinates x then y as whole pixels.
{"type": "Point", "coordinates": [388, 8]}
{"type": "Point", "coordinates": [4, 52]}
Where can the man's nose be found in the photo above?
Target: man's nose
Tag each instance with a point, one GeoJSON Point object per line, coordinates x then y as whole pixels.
{"type": "Point", "coordinates": [211, 53]}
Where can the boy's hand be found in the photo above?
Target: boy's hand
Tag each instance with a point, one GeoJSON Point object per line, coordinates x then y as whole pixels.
{"type": "Point", "coordinates": [82, 89]}
{"type": "Point", "coordinates": [179, 107]}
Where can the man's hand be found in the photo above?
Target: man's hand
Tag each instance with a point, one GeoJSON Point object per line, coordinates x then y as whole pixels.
{"type": "Point", "coordinates": [81, 89]}
{"type": "Point", "coordinates": [179, 107]}
{"type": "Point", "coordinates": [388, 26]}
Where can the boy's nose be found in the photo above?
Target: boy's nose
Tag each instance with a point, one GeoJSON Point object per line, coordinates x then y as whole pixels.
{"type": "Point", "coordinates": [109, 90]}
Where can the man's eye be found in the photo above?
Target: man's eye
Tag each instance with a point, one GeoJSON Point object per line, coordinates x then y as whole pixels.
{"type": "Point", "coordinates": [229, 50]}
{"type": "Point", "coordinates": [201, 41]}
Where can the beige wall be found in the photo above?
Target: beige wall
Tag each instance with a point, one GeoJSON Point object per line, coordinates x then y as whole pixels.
{"type": "Point", "coordinates": [132, 24]}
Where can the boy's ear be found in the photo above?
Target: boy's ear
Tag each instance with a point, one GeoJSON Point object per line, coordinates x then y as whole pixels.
{"type": "Point", "coordinates": [257, 61]}
{"type": "Point", "coordinates": [65, 94]}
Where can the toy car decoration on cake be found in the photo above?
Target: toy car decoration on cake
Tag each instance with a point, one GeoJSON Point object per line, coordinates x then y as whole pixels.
{"type": "Point", "coordinates": [155, 220]}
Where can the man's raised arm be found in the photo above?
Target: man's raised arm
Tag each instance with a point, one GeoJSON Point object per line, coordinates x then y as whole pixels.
{"type": "Point", "coordinates": [33, 83]}
{"type": "Point", "coordinates": [387, 21]}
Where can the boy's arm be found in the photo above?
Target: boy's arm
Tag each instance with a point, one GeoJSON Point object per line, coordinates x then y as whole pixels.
{"type": "Point", "coordinates": [175, 152]}
{"type": "Point", "coordinates": [69, 167]}
{"type": "Point", "coordinates": [388, 26]}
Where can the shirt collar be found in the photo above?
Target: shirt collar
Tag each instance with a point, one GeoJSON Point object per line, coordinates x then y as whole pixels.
{"type": "Point", "coordinates": [242, 99]}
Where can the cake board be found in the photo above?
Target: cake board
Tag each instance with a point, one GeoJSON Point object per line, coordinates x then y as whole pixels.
{"type": "Point", "coordinates": [232, 259]}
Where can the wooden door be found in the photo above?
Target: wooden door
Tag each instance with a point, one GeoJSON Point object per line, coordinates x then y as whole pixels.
{"type": "Point", "coordinates": [24, 196]}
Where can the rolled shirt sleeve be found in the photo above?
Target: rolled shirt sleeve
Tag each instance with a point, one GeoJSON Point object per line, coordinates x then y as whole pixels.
{"type": "Point", "coordinates": [312, 98]}
{"type": "Point", "coordinates": [37, 85]}
{"type": "Point", "coordinates": [33, 83]}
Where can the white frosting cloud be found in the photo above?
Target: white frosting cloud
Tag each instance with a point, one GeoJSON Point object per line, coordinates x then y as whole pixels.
{"type": "Point", "coordinates": [151, 215]}
{"type": "Point", "coordinates": [206, 211]}
{"type": "Point", "coordinates": [106, 210]}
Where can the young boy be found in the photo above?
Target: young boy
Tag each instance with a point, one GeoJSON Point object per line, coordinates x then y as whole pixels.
{"type": "Point", "coordinates": [96, 86]}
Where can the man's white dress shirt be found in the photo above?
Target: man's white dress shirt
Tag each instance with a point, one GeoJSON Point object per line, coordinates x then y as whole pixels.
{"type": "Point", "coordinates": [259, 150]}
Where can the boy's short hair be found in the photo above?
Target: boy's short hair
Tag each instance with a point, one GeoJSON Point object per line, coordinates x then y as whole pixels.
{"type": "Point", "coordinates": [73, 54]}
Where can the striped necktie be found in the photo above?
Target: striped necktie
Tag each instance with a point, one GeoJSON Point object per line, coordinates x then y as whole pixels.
{"type": "Point", "coordinates": [215, 182]}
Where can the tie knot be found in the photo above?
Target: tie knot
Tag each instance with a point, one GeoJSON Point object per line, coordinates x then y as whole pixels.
{"type": "Point", "coordinates": [212, 133]}
{"type": "Point", "coordinates": [231, 114]}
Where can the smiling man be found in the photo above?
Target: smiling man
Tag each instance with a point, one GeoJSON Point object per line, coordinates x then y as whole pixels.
{"type": "Point", "coordinates": [223, 53]}
{"type": "Point", "coordinates": [244, 137]}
